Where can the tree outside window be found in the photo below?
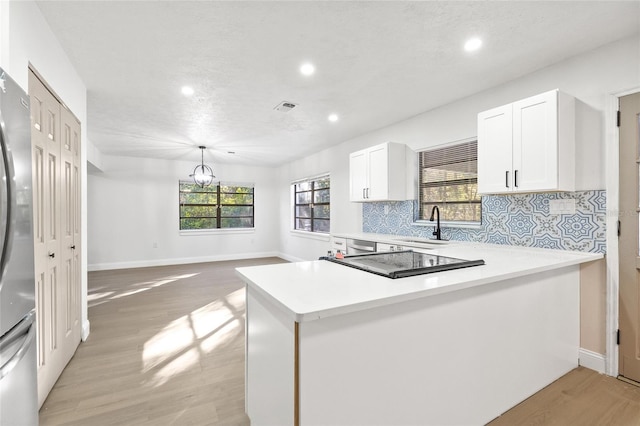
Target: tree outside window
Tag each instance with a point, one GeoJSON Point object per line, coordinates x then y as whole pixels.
{"type": "Point", "coordinates": [312, 205]}
{"type": "Point", "coordinates": [216, 206]}
{"type": "Point", "coordinates": [449, 180]}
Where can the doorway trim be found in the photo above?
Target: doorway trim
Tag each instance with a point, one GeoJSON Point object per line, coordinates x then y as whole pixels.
{"type": "Point", "coordinates": [612, 166]}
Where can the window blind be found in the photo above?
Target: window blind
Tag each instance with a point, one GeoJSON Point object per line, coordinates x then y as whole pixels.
{"type": "Point", "coordinates": [449, 180]}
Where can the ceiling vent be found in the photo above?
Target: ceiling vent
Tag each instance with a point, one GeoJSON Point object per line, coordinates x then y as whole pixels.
{"type": "Point", "coordinates": [285, 106]}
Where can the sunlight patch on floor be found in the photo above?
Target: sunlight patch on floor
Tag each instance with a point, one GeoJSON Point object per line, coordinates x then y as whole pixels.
{"type": "Point", "coordinates": [99, 298]}
{"type": "Point", "coordinates": [214, 315]}
{"type": "Point", "coordinates": [225, 334]}
{"type": "Point", "coordinates": [178, 346]}
{"type": "Point", "coordinates": [166, 280]}
{"type": "Point", "coordinates": [95, 296]}
{"type": "Point", "coordinates": [169, 342]}
{"type": "Point", "coordinates": [129, 293]}
{"type": "Point", "coordinates": [177, 365]}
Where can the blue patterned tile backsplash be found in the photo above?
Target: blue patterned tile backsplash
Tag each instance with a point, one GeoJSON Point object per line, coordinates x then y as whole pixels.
{"type": "Point", "coordinates": [519, 220]}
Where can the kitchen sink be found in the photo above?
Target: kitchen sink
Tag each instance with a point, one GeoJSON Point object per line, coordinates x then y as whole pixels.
{"type": "Point", "coordinates": [402, 264]}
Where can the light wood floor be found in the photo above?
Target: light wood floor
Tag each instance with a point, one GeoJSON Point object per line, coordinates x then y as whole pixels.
{"type": "Point", "coordinates": [581, 397]}
{"type": "Point", "coordinates": [167, 348]}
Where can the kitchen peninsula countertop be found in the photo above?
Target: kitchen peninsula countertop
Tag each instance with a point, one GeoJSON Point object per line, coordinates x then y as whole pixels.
{"type": "Point", "coordinates": [307, 291]}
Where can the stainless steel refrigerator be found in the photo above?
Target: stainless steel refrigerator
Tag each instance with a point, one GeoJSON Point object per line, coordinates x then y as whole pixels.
{"type": "Point", "coordinates": [18, 378]}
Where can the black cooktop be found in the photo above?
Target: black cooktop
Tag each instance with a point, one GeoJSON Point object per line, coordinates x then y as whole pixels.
{"type": "Point", "coordinates": [399, 264]}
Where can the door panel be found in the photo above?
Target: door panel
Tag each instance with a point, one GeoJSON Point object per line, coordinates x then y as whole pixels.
{"type": "Point", "coordinates": [68, 210]}
{"type": "Point", "coordinates": [378, 173]}
{"type": "Point", "coordinates": [495, 150]}
{"type": "Point", "coordinates": [628, 243]}
{"type": "Point", "coordinates": [358, 175]}
{"type": "Point", "coordinates": [535, 142]}
{"type": "Point", "coordinates": [39, 235]}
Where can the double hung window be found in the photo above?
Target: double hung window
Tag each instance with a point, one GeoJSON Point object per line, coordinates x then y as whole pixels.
{"type": "Point", "coordinates": [311, 205]}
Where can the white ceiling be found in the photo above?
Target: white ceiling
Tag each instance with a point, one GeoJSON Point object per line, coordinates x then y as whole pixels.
{"type": "Point", "coordinates": [377, 63]}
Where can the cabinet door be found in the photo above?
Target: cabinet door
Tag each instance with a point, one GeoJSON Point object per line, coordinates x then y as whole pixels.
{"type": "Point", "coordinates": [339, 244]}
{"type": "Point", "coordinates": [378, 173]}
{"type": "Point", "coordinates": [535, 143]}
{"type": "Point", "coordinates": [358, 175]}
{"type": "Point", "coordinates": [495, 140]}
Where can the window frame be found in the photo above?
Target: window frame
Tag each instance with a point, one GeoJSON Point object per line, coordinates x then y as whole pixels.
{"type": "Point", "coordinates": [216, 188]}
{"type": "Point", "coordinates": [311, 204]}
{"type": "Point", "coordinates": [422, 216]}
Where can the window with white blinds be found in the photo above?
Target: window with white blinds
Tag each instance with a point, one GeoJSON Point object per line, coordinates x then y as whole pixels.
{"type": "Point", "coordinates": [449, 180]}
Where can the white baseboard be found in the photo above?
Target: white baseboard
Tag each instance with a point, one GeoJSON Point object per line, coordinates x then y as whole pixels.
{"type": "Point", "coordinates": [290, 258]}
{"type": "Point", "coordinates": [178, 261]}
{"type": "Point", "coordinates": [592, 360]}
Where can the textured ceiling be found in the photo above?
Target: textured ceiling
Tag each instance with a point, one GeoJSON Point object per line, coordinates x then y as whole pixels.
{"type": "Point", "coordinates": [376, 63]}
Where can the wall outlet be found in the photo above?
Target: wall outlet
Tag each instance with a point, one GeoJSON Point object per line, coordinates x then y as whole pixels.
{"type": "Point", "coordinates": [564, 206]}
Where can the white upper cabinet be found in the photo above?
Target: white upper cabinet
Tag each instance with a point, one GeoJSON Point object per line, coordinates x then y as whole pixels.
{"type": "Point", "coordinates": [378, 173]}
{"type": "Point", "coordinates": [528, 146]}
{"type": "Point", "coordinates": [495, 149]}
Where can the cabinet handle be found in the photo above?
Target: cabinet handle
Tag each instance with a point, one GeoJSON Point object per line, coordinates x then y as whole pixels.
{"type": "Point", "coordinates": [515, 178]}
{"type": "Point", "coordinates": [367, 192]}
{"type": "Point", "coordinates": [73, 247]}
{"type": "Point", "coordinates": [506, 178]}
{"type": "Point", "coordinates": [52, 255]}
{"type": "Point", "coordinates": [363, 193]}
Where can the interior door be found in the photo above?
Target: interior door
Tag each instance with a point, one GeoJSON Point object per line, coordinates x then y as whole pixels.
{"type": "Point", "coordinates": [70, 129]}
{"type": "Point", "coordinates": [628, 243]}
{"type": "Point", "coordinates": [76, 222]}
{"type": "Point", "coordinates": [55, 201]}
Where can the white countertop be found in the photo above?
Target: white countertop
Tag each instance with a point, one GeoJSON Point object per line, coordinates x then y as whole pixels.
{"type": "Point", "coordinates": [317, 289]}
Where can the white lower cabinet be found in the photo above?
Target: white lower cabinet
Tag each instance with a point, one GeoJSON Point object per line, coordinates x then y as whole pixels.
{"type": "Point", "coordinates": [528, 146]}
{"type": "Point", "coordinates": [381, 247]}
{"type": "Point", "coordinates": [339, 244]}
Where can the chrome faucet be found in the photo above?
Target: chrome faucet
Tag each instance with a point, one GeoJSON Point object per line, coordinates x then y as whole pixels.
{"type": "Point", "coordinates": [436, 232]}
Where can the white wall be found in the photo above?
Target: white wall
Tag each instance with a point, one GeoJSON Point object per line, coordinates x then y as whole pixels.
{"type": "Point", "coordinates": [133, 203]}
{"type": "Point", "coordinates": [4, 33]}
{"type": "Point", "coordinates": [590, 77]}
{"type": "Point", "coordinates": [25, 37]}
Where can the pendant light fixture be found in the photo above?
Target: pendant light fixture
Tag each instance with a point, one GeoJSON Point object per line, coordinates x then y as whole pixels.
{"type": "Point", "coordinates": [202, 175]}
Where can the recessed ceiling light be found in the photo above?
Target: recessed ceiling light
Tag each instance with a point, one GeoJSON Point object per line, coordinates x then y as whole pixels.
{"type": "Point", "coordinates": [333, 117]}
{"type": "Point", "coordinates": [473, 44]}
{"type": "Point", "coordinates": [307, 69]}
{"type": "Point", "coordinates": [187, 91]}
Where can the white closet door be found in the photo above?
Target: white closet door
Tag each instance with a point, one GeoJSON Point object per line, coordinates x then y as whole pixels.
{"type": "Point", "coordinates": [55, 199]}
